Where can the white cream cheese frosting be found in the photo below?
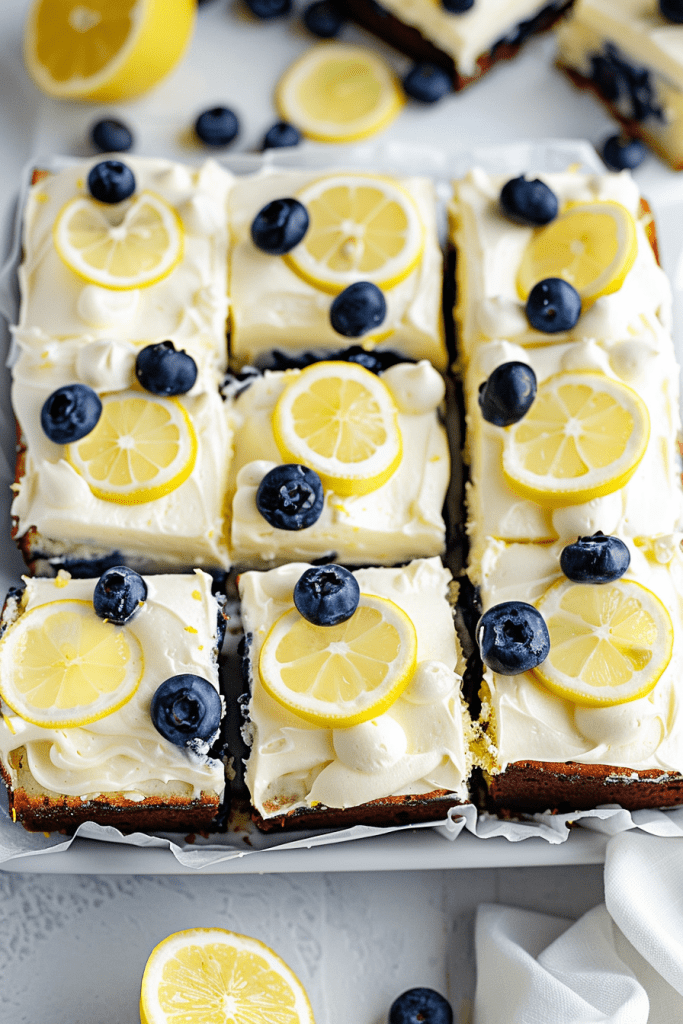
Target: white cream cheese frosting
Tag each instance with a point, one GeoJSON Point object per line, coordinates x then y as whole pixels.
{"type": "Point", "coordinates": [188, 307]}
{"type": "Point", "coordinates": [528, 722]}
{"type": "Point", "coordinates": [400, 520]}
{"type": "Point", "coordinates": [123, 752]}
{"type": "Point", "coordinates": [415, 747]}
{"type": "Point", "coordinates": [272, 307]}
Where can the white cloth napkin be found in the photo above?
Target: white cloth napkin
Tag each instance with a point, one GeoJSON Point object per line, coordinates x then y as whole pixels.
{"type": "Point", "coordinates": [621, 963]}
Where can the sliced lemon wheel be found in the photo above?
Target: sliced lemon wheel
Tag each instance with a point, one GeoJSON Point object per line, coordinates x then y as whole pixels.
{"type": "Point", "coordinates": [591, 245]}
{"type": "Point", "coordinates": [142, 448]}
{"type": "Point", "coordinates": [133, 251]}
{"type": "Point", "coordinates": [62, 666]}
{"type": "Point", "coordinates": [337, 92]}
{"type": "Point", "coordinates": [340, 420]}
{"type": "Point", "coordinates": [105, 49]}
{"type": "Point", "coordinates": [609, 642]}
{"type": "Point", "coordinates": [337, 676]}
{"type": "Point", "coordinates": [213, 976]}
{"type": "Point", "coordinates": [361, 227]}
{"type": "Point", "coordinates": [582, 438]}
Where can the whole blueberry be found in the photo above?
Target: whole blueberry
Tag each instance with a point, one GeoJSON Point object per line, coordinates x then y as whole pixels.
{"type": "Point", "coordinates": [420, 1006]}
{"type": "Point", "coordinates": [596, 559]}
{"type": "Point", "coordinates": [290, 497]}
{"type": "Point", "coordinates": [457, 6]}
{"type": "Point", "coordinates": [358, 309]}
{"type": "Point", "coordinates": [326, 595]}
{"type": "Point", "coordinates": [118, 594]}
{"type": "Point", "coordinates": [279, 226]}
{"type": "Point", "coordinates": [111, 136]}
{"type": "Point", "coordinates": [672, 10]}
{"type": "Point", "coordinates": [164, 370]}
{"type": "Point", "coordinates": [70, 413]}
{"type": "Point", "coordinates": [267, 9]}
{"type": "Point", "coordinates": [324, 18]}
{"type": "Point", "coordinates": [111, 181]}
{"type": "Point", "coordinates": [427, 83]}
{"type": "Point", "coordinates": [553, 305]}
{"type": "Point", "coordinates": [185, 708]}
{"type": "Point", "coordinates": [513, 638]}
{"type": "Point", "coordinates": [281, 135]}
{"type": "Point", "coordinates": [528, 202]}
{"type": "Point", "coordinates": [508, 393]}
{"type": "Point", "coordinates": [217, 126]}
{"type": "Point", "coordinates": [621, 153]}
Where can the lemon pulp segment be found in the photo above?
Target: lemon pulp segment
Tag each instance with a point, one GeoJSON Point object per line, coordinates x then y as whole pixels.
{"type": "Point", "coordinates": [583, 437]}
{"type": "Point", "coordinates": [609, 643]}
{"type": "Point", "coordinates": [62, 666]}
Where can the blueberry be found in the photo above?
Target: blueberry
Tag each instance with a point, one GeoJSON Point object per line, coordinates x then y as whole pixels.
{"type": "Point", "coordinates": [70, 413]}
{"type": "Point", "coordinates": [164, 370]}
{"type": "Point", "coordinates": [111, 181]}
{"type": "Point", "coordinates": [606, 76]}
{"type": "Point", "coordinates": [420, 1006]}
{"type": "Point", "coordinates": [457, 6]}
{"type": "Point", "coordinates": [427, 83]}
{"type": "Point", "coordinates": [596, 559]}
{"type": "Point", "coordinates": [513, 638]}
{"type": "Point", "coordinates": [279, 226]}
{"type": "Point", "coordinates": [358, 309]}
{"type": "Point", "coordinates": [267, 9]}
{"type": "Point", "coordinates": [508, 393]}
{"type": "Point", "coordinates": [111, 136]}
{"type": "Point", "coordinates": [621, 153]}
{"type": "Point", "coordinates": [553, 305]}
{"type": "Point", "coordinates": [375, 361]}
{"type": "Point", "coordinates": [281, 135]}
{"type": "Point", "coordinates": [290, 497]}
{"type": "Point", "coordinates": [327, 595]}
{"type": "Point", "coordinates": [118, 594]}
{"type": "Point", "coordinates": [217, 126]}
{"type": "Point", "coordinates": [186, 708]}
{"type": "Point", "coordinates": [324, 19]}
{"type": "Point", "coordinates": [672, 10]}
{"type": "Point", "coordinates": [528, 202]}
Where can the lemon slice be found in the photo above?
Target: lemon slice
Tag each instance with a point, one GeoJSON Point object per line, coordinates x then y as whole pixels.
{"type": "Point", "coordinates": [120, 253]}
{"type": "Point", "coordinates": [591, 245]}
{"type": "Point", "coordinates": [207, 975]}
{"type": "Point", "coordinates": [142, 448]}
{"type": "Point", "coordinates": [62, 666]}
{"type": "Point", "coordinates": [582, 438]}
{"type": "Point", "coordinates": [336, 676]}
{"type": "Point", "coordinates": [361, 227]}
{"type": "Point", "coordinates": [105, 49]}
{"type": "Point", "coordinates": [609, 642]}
{"type": "Point", "coordinates": [337, 93]}
{"type": "Point", "coordinates": [341, 421]}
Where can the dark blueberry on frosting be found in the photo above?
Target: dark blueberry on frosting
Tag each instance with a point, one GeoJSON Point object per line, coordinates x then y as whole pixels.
{"type": "Point", "coordinates": [457, 6]}
{"type": "Point", "coordinates": [217, 126]}
{"type": "Point", "coordinates": [279, 226]}
{"type": "Point", "coordinates": [553, 305]}
{"type": "Point", "coordinates": [358, 309]}
{"type": "Point", "coordinates": [118, 594]}
{"type": "Point", "coordinates": [111, 181]}
{"type": "Point", "coordinates": [290, 497]}
{"type": "Point", "coordinates": [508, 393]}
{"type": "Point", "coordinates": [186, 708]}
{"type": "Point", "coordinates": [281, 135]}
{"type": "Point", "coordinates": [326, 595]}
{"type": "Point", "coordinates": [513, 638]}
{"type": "Point", "coordinates": [163, 370]}
{"type": "Point", "coordinates": [268, 9]}
{"type": "Point", "coordinates": [528, 202]}
{"type": "Point", "coordinates": [420, 1006]}
{"type": "Point", "coordinates": [324, 18]}
{"type": "Point", "coordinates": [596, 559]}
{"type": "Point", "coordinates": [70, 413]}
{"type": "Point", "coordinates": [427, 83]}
{"type": "Point", "coordinates": [621, 153]}
{"type": "Point", "coordinates": [672, 10]}
{"type": "Point", "coordinates": [111, 136]}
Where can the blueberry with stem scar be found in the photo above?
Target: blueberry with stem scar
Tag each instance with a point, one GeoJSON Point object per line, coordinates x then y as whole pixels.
{"type": "Point", "coordinates": [163, 370]}
{"type": "Point", "coordinates": [553, 306]}
{"type": "Point", "coordinates": [119, 594]}
{"type": "Point", "coordinates": [420, 1006]}
{"type": "Point", "coordinates": [186, 708]}
{"type": "Point", "coordinates": [70, 413]}
{"type": "Point", "coordinates": [290, 497]}
{"type": "Point", "coordinates": [326, 595]}
{"type": "Point", "coordinates": [512, 638]}
{"type": "Point", "coordinates": [596, 559]}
